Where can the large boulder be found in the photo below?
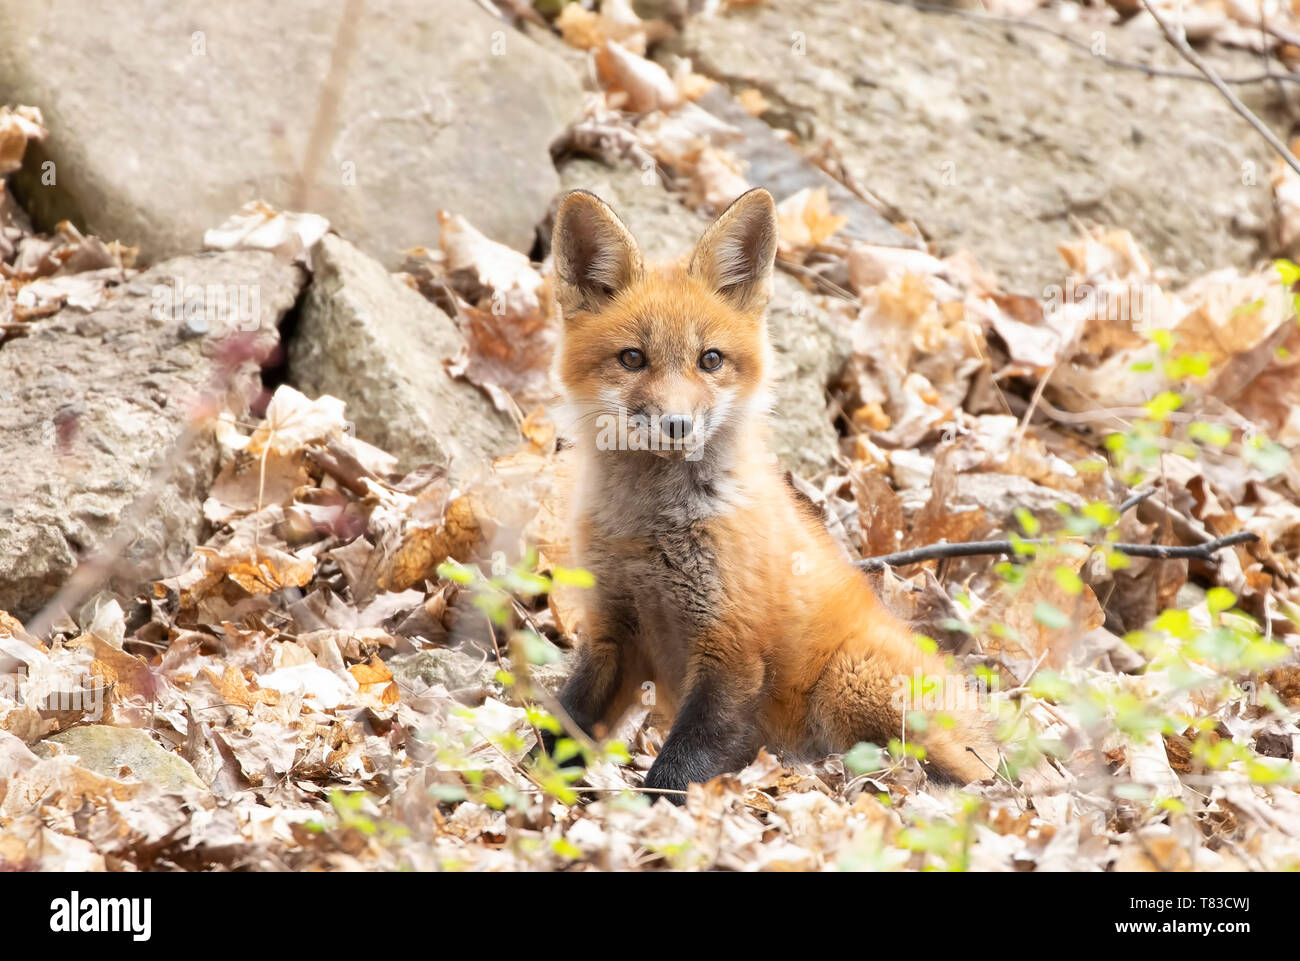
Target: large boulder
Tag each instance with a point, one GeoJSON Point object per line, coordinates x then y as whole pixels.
{"type": "Point", "coordinates": [95, 410]}
{"type": "Point", "coordinates": [372, 341]}
{"type": "Point", "coordinates": [1001, 140]}
{"type": "Point", "coordinates": [809, 344]}
{"type": "Point", "coordinates": [441, 105]}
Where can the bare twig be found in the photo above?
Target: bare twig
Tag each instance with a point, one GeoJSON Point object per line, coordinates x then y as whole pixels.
{"type": "Point", "coordinates": [327, 108]}
{"type": "Point", "coordinates": [1029, 411]}
{"type": "Point", "coordinates": [1178, 38]}
{"type": "Point", "coordinates": [1121, 415]}
{"type": "Point", "coordinates": [1286, 36]}
{"type": "Point", "coordinates": [1135, 499]}
{"type": "Point", "coordinates": [932, 552]}
{"type": "Point", "coordinates": [826, 283]}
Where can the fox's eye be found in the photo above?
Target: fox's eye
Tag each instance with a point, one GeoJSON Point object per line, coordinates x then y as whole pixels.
{"type": "Point", "coordinates": [711, 360]}
{"type": "Point", "coordinates": [631, 358]}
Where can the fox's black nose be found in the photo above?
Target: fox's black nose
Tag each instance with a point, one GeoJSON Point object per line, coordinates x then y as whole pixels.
{"type": "Point", "coordinates": [676, 426]}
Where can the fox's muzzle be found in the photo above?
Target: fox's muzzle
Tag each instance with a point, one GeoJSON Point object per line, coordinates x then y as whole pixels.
{"type": "Point", "coordinates": [676, 428]}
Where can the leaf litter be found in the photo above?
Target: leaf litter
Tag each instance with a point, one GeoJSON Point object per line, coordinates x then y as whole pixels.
{"type": "Point", "coordinates": [340, 696]}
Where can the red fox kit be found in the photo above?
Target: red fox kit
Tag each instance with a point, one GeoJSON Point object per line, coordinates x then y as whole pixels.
{"type": "Point", "coordinates": [714, 580]}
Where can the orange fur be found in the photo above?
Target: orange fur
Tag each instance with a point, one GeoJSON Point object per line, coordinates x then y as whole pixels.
{"type": "Point", "coordinates": [713, 579]}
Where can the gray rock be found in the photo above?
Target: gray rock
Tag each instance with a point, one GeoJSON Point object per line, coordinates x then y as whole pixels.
{"type": "Point", "coordinates": [772, 163]}
{"type": "Point", "coordinates": [1002, 494]}
{"type": "Point", "coordinates": [458, 671]}
{"type": "Point", "coordinates": [993, 139]}
{"type": "Point", "coordinates": [370, 340]}
{"type": "Point", "coordinates": [664, 228]}
{"type": "Point", "coordinates": [106, 750]}
{"type": "Point", "coordinates": [441, 105]}
{"type": "Point", "coordinates": [453, 669]}
{"type": "Point", "coordinates": [92, 404]}
{"type": "Point", "coordinates": [810, 347]}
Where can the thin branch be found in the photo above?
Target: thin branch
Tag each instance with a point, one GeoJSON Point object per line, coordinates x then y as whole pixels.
{"type": "Point", "coordinates": [932, 552]}
{"type": "Point", "coordinates": [1135, 499]}
{"type": "Point", "coordinates": [327, 107]}
{"type": "Point", "coordinates": [1033, 403]}
{"type": "Point", "coordinates": [790, 267]}
{"type": "Point", "coordinates": [1179, 41]}
{"type": "Point", "coordinates": [1286, 36]}
{"type": "Point", "coordinates": [1119, 414]}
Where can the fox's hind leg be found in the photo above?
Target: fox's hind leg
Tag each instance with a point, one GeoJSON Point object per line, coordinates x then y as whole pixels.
{"type": "Point", "coordinates": [863, 693]}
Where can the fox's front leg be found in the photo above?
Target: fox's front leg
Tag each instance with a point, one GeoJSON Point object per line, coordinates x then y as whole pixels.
{"type": "Point", "coordinates": [713, 732]}
{"type": "Point", "coordinates": [590, 690]}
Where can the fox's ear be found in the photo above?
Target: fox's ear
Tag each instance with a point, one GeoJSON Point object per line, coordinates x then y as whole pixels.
{"type": "Point", "coordinates": [595, 254]}
{"type": "Point", "coordinates": [736, 253]}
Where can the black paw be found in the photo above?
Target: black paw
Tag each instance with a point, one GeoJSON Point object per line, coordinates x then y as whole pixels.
{"type": "Point", "coordinates": [664, 775]}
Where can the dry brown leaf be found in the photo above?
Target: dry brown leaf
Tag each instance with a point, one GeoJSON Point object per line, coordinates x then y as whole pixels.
{"type": "Point", "coordinates": [752, 99]}
{"type": "Point", "coordinates": [293, 421]}
{"type": "Point", "coordinates": [499, 273]}
{"type": "Point", "coordinates": [806, 222]}
{"type": "Point", "coordinates": [235, 690]}
{"type": "Point", "coordinates": [1023, 610]}
{"type": "Point", "coordinates": [645, 84]}
{"type": "Point", "coordinates": [18, 127]}
{"type": "Point", "coordinates": [259, 226]}
{"type": "Point", "coordinates": [716, 179]}
{"type": "Point", "coordinates": [269, 569]}
{"type": "Point", "coordinates": [508, 356]}
{"type": "Point", "coordinates": [424, 548]}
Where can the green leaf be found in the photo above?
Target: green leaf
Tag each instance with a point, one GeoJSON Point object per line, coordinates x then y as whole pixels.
{"type": "Point", "coordinates": [1267, 457]}
{"type": "Point", "coordinates": [566, 849]}
{"type": "Point", "coordinates": [1102, 512]}
{"type": "Point", "coordinates": [1164, 339]}
{"type": "Point", "coordinates": [538, 650]}
{"type": "Point", "coordinates": [1175, 622]}
{"type": "Point", "coordinates": [1287, 270]}
{"type": "Point", "coordinates": [1050, 615]}
{"type": "Point", "coordinates": [864, 758]}
{"type": "Point", "coordinates": [1050, 686]}
{"type": "Point", "coordinates": [1217, 435]}
{"type": "Point", "coordinates": [1219, 599]}
{"type": "Point", "coordinates": [455, 571]}
{"type": "Point", "coordinates": [447, 792]}
{"type": "Point", "coordinates": [1163, 404]}
{"type": "Point", "coordinates": [1028, 522]}
{"type": "Point", "coordinates": [1069, 580]}
{"type": "Point", "coordinates": [573, 577]}
{"type": "Point", "coordinates": [566, 749]}
{"type": "Point", "coordinates": [1188, 366]}
{"type": "Point", "coordinates": [617, 752]}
